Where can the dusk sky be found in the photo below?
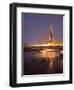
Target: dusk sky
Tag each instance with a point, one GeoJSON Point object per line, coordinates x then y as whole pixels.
{"type": "Point", "coordinates": [35, 27]}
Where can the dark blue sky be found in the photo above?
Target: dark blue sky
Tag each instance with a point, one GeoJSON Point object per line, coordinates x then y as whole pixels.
{"type": "Point", "coordinates": [35, 27]}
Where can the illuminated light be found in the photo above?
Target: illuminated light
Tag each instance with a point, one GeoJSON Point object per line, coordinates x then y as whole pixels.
{"type": "Point", "coordinates": [49, 53]}
{"type": "Point", "coordinates": [50, 43]}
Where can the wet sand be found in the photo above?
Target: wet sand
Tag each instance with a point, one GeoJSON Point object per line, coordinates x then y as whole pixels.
{"type": "Point", "coordinates": [43, 62]}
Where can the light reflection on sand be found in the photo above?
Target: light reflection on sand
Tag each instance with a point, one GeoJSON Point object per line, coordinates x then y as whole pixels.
{"type": "Point", "coordinates": [43, 61]}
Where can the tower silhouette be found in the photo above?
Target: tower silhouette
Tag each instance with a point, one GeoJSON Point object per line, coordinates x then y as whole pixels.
{"type": "Point", "coordinates": [50, 33]}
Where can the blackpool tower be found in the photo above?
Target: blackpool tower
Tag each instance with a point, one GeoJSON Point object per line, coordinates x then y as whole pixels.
{"type": "Point", "coordinates": [50, 33]}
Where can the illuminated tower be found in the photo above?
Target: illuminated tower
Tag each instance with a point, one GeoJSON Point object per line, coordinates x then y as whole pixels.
{"type": "Point", "coordinates": [50, 33]}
